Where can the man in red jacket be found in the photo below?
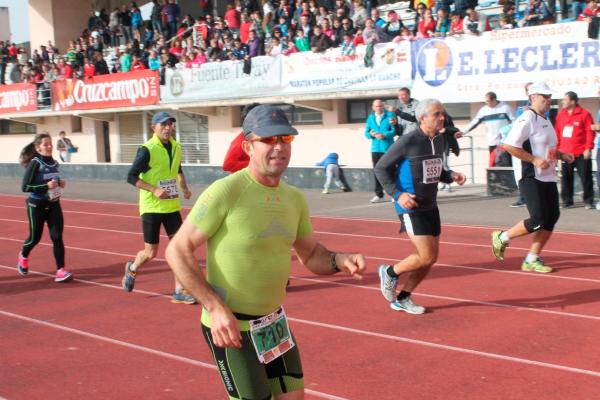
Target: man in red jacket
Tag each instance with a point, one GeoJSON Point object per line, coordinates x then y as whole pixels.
{"type": "Point", "coordinates": [575, 136]}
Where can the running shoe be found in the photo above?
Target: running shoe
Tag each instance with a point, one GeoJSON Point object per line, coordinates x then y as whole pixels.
{"type": "Point", "coordinates": [408, 306]}
{"type": "Point", "coordinates": [377, 199]}
{"type": "Point", "coordinates": [325, 191]}
{"type": "Point", "coordinates": [128, 277]}
{"type": "Point", "coordinates": [22, 265]}
{"type": "Point", "coordinates": [498, 246]}
{"type": "Point", "coordinates": [536, 266]}
{"type": "Point", "coordinates": [181, 296]}
{"type": "Point", "coordinates": [567, 205]}
{"type": "Point", "coordinates": [589, 207]}
{"type": "Point", "coordinates": [387, 283]}
{"type": "Point", "coordinates": [518, 203]}
{"type": "Point", "coordinates": [63, 275]}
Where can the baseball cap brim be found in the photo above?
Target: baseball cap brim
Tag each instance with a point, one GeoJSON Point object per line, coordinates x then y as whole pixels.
{"type": "Point", "coordinates": [273, 130]}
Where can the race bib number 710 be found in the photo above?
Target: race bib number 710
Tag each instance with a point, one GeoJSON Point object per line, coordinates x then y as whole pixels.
{"type": "Point", "coordinates": [432, 169]}
{"type": "Point", "coordinates": [271, 336]}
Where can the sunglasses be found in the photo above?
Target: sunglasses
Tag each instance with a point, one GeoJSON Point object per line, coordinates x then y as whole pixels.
{"type": "Point", "coordinates": [272, 140]}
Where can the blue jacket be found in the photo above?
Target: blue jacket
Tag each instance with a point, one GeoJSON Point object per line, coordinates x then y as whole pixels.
{"type": "Point", "coordinates": [332, 158]}
{"type": "Point", "coordinates": [385, 128]}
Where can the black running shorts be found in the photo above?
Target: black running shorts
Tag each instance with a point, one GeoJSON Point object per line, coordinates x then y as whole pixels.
{"type": "Point", "coordinates": [421, 223]}
{"type": "Point", "coordinates": [151, 223]}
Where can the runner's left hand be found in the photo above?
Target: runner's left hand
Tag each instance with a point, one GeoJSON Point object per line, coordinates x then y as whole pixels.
{"type": "Point", "coordinates": [459, 178]}
{"type": "Point", "coordinates": [352, 264]}
{"type": "Point", "coordinates": [186, 193]}
{"type": "Point", "coordinates": [62, 183]}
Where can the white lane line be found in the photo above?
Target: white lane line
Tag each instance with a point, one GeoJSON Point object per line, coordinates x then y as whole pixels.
{"type": "Point", "coordinates": [352, 219]}
{"type": "Point", "coordinates": [458, 299]}
{"type": "Point", "coordinates": [453, 266]}
{"type": "Point", "coordinates": [574, 253]}
{"type": "Point", "coordinates": [371, 334]}
{"type": "Point", "coordinates": [451, 348]}
{"type": "Point", "coordinates": [138, 347]}
{"type": "Point", "coordinates": [396, 222]}
{"type": "Point", "coordinates": [67, 211]}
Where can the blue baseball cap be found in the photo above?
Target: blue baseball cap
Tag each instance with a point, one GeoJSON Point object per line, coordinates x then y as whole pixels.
{"type": "Point", "coordinates": [161, 117]}
{"type": "Point", "coordinates": [266, 120]}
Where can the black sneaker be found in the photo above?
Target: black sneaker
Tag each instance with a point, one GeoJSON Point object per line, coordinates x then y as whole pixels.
{"type": "Point", "coordinates": [518, 203]}
{"type": "Point", "coordinates": [128, 278]}
{"type": "Point", "coordinates": [567, 205]}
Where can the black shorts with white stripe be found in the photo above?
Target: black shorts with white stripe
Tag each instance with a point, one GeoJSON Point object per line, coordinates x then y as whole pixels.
{"type": "Point", "coordinates": [421, 223]}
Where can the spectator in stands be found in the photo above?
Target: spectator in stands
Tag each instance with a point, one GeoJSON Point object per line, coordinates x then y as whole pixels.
{"type": "Point", "coordinates": [393, 25]}
{"type": "Point", "coordinates": [100, 65]}
{"type": "Point", "coordinates": [173, 14]}
{"type": "Point", "coordinates": [113, 26]}
{"type": "Point", "coordinates": [136, 22]}
{"type": "Point", "coordinates": [233, 20]}
{"type": "Point", "coordinates": [359, 14]}
{"type": "Point", "coordinates": [426, 28]}
{"type": "Point", "coordinates": [137, 64]}
{"type": "Point", "coordinates": [442, 27]}
{"type": "Point", "coordinates": [3, 61]}
{"type": "Point", "coordinates": [125, 23]}
{"type": "Point", "coordinates": [537, 13]}
{"type": "Point", "coordinates": [124, 59]}
{"type": "Point", "coordinates": [275, 48]}
{"type": "Point", "coordinates": [377, 18]}
{"type": "Point", "coordinates": [418, 17]}
{"type": "Point", "coordinates": [301, 41]}
{"type": "Point", "coordinates": [461, 6]}
{"type": "Point", "coordinates": [319, 41]}
{"type": "Point", "coordinates": [255, 45]}
{"type": "Point", "coordinates": [508, 17]}
{"type": "Point", "coordinates": [268, 18]}
{"type": "Point", "coordinates": [456, 24]}
{"type": "Point", "coordinates": [89, 70]}
{"type": "Point", "coordinates": [371, 33]}
{"type": "Point", "coordinates": [592, 16]}
{"type": "Point", "coordinates": [578, 7]}
{"type": "Point", "coordinates": [475, 23]}
{"type": "Point", "coordinates": [155, 17]}
{"type": "Point", "coordinates": [348, 27]}
{"type": "Point", "coordinates": [348, 48]}
{"type": "Point", "coordinates": [341, 9]}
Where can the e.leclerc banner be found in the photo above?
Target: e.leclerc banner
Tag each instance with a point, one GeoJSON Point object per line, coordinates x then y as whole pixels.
{"type": "Point", "coordinates": [126, 89]}
{"type": "Point", "coordinates": [463, 68]}
{"type": "Point", "coordinates": [19, 97]}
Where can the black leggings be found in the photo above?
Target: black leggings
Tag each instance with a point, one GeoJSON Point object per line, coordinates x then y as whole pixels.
{"type": "Point", "coordinates": [51, 213]}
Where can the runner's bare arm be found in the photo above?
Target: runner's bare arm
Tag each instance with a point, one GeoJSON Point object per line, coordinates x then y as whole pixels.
{"type": "Point", "coordinates": [526, 156]}
{"type": "Point", "coordinates": [181, 259]}
{"type": "Point", "coordinates": [321, 261]}
{"type": "Point", "coordinates": [158, 192]}
{"type": "Point", "coordinates": [183, 184]}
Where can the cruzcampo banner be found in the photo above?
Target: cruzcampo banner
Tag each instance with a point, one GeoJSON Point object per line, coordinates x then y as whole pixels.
{"type": "Point", "coordinates": [18, 97]}
{"type": "Point", "coordinates": [127, 89]}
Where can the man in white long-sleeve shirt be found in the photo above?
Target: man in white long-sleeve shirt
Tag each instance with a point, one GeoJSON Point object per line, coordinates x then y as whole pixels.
{"type": "Point", "coordinates": [495, 115]}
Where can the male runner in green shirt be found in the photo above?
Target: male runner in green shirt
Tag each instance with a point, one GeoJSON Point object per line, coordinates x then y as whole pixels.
{"type": "Point", "coordinates": [250, 221]}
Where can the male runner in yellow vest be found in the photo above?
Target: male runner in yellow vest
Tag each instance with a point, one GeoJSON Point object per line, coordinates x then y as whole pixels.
{"type": "Point", "coordinates": [250, 221]}
{"type": "Point", "coordinates": [156, 170]}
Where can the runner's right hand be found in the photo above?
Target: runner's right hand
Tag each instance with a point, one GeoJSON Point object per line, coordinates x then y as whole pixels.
{"type": "Point", "coordinates": [224, 329]}
{"type": "Point", "coordinates": [160, 193]}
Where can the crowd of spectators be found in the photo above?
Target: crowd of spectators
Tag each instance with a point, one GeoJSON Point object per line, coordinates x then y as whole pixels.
{"type": "Point", "coordinates": [251, 28]}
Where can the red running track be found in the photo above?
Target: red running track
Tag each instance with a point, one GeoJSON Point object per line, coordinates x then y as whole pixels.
{"type": "Point", "coordinates": [492, 332]}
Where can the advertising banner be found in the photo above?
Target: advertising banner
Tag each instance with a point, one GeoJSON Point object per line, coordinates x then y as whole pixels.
{"type": "Point", "coordinates": [106, 91]}
{"type": "Point", "coordinates": [223, 80]}
{"type": "Point", "coordinates": [331, 71]}
{"type": "Point", "coordinates": [463, 69]}
{"type": "Point", "coordinates": [18, 97]}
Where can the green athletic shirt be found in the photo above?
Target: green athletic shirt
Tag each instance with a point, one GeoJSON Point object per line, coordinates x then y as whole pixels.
{"type": "Point", "coordinates": [252, 228]}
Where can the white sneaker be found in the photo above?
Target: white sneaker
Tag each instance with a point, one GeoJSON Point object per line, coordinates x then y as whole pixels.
{"type": "Point", "coordinates": [377, 199]}
{"type": "Point", "coordinates": [598, 205]}
{"type": "Point", "coordinates": [407, 305]}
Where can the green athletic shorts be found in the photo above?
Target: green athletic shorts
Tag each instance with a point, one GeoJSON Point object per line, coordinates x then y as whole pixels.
{"type": "Point", "coordinates": [245, 377]}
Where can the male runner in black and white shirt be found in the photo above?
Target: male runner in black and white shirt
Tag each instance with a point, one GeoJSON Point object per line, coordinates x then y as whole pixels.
{"type": "Point", "coordinates": [532, 139]}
